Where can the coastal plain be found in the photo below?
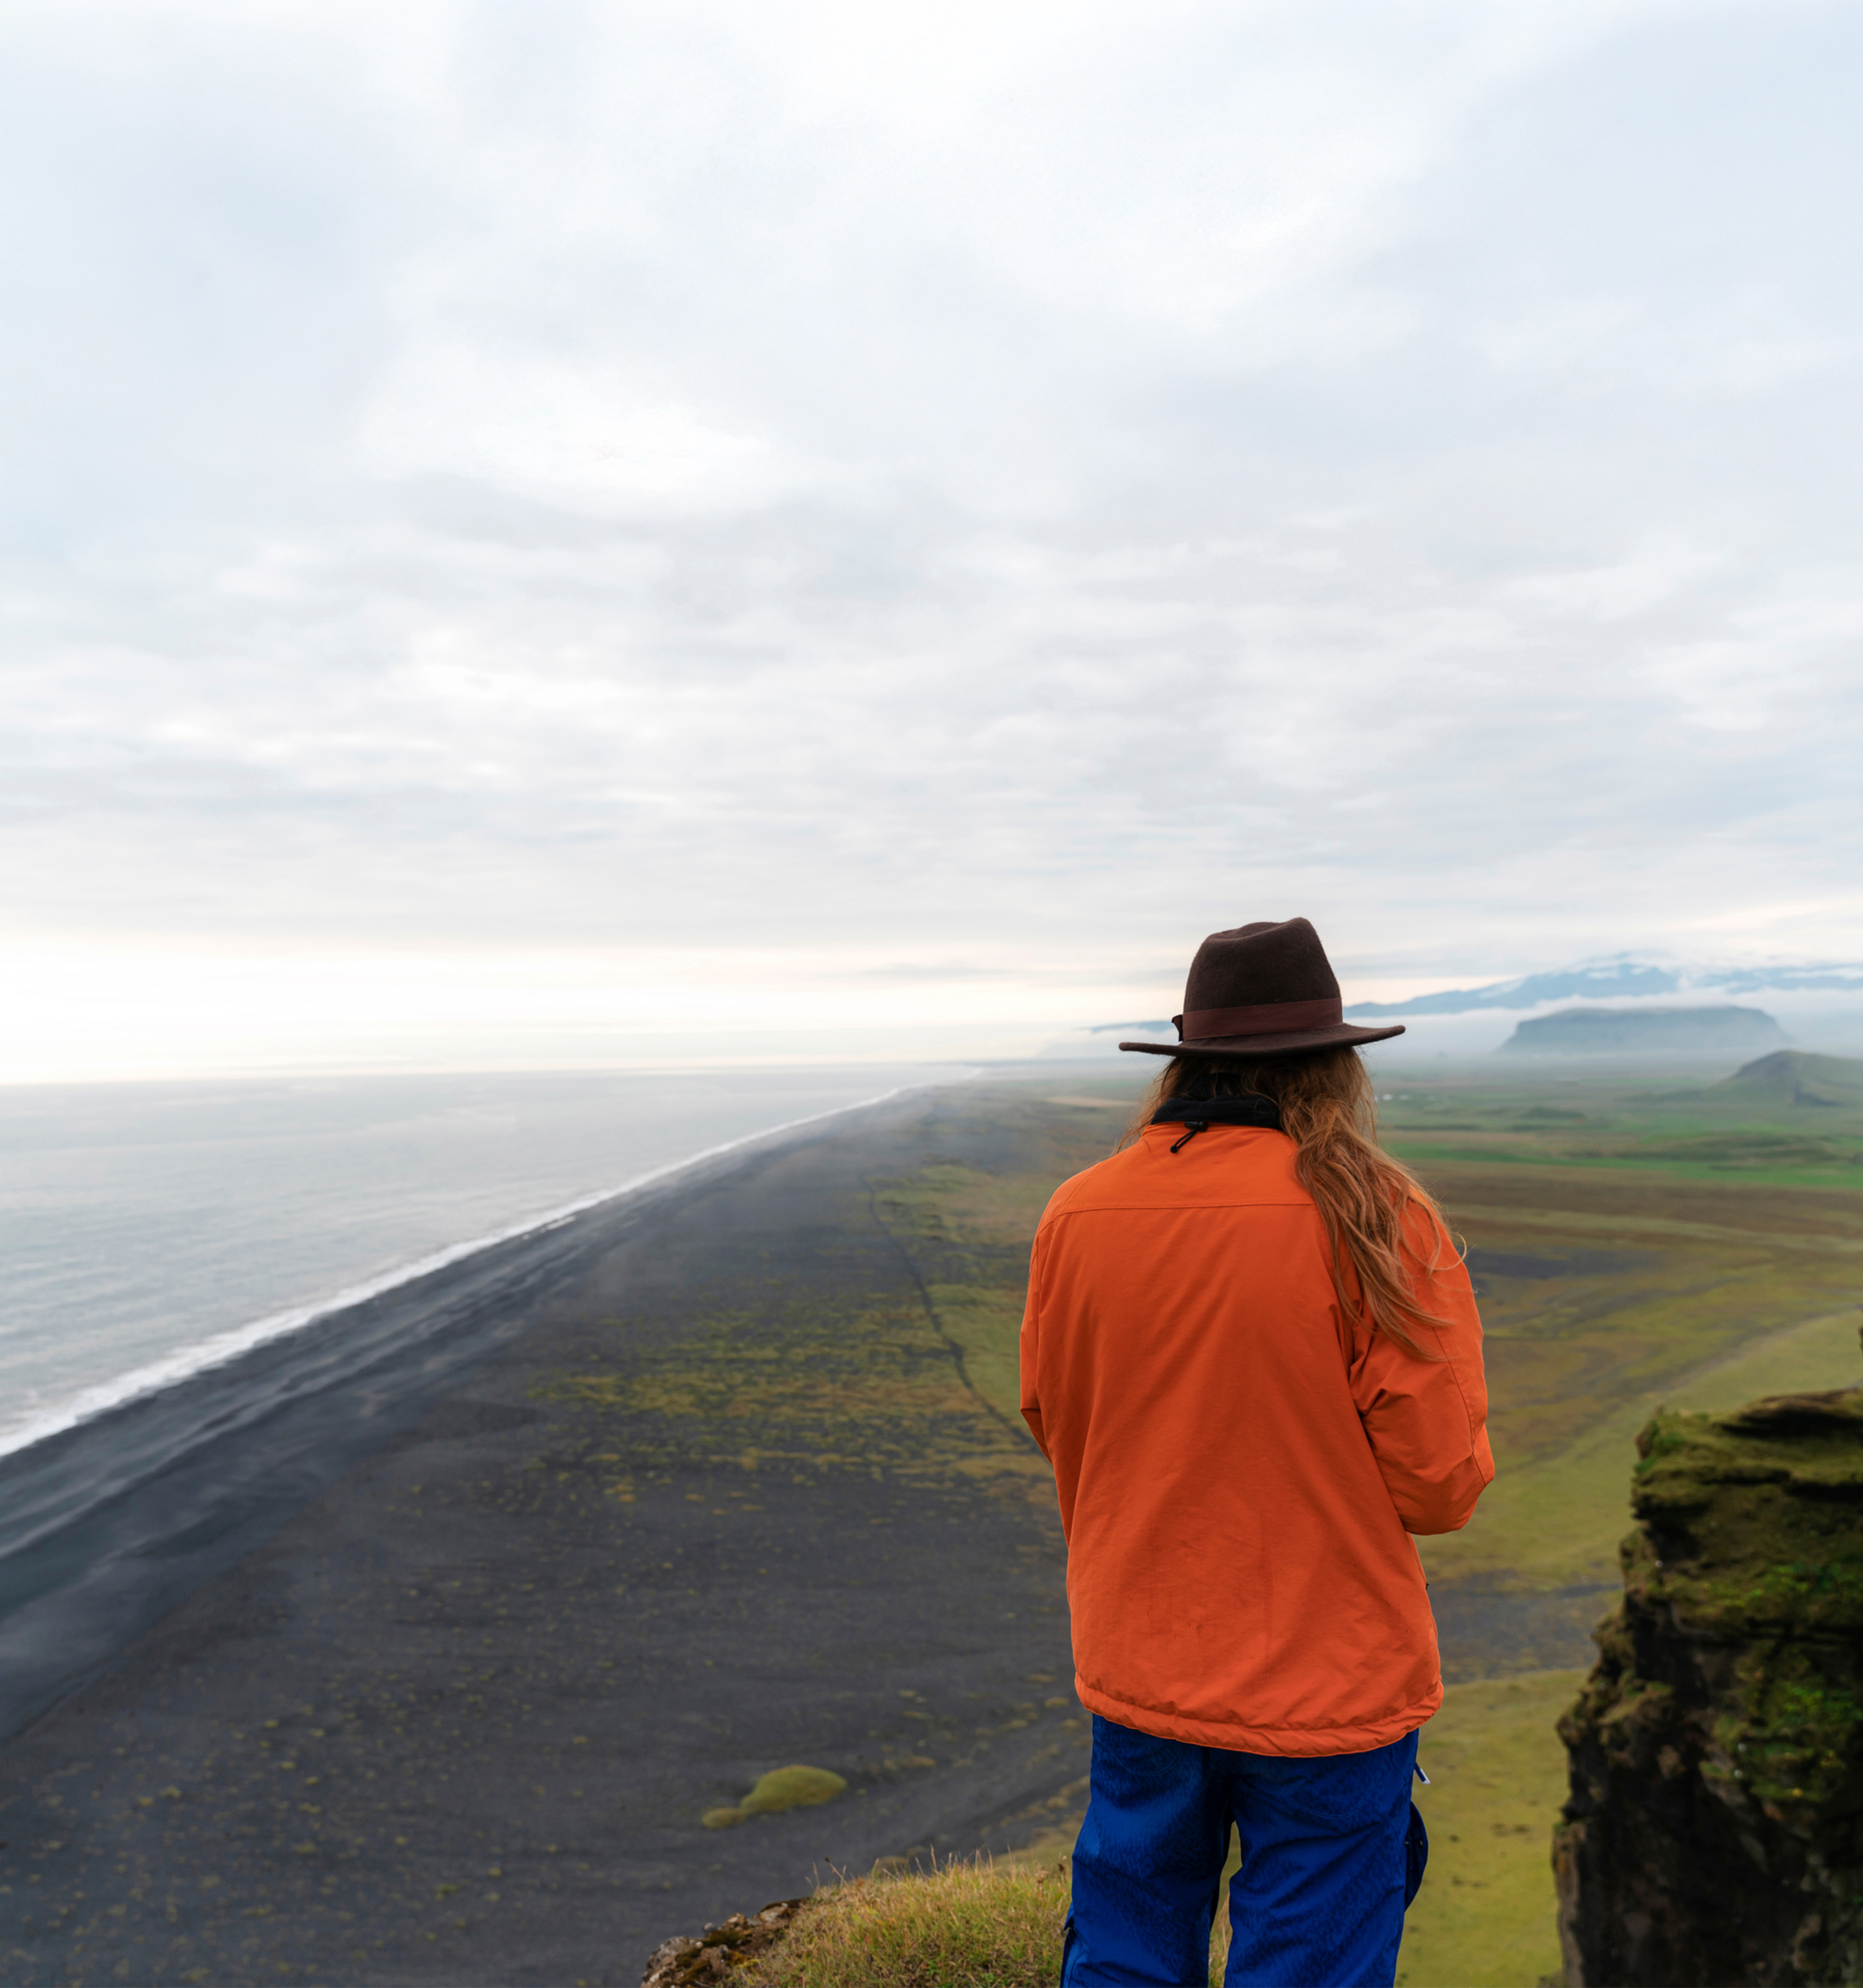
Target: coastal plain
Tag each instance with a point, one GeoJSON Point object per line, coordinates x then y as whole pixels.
{"type": "Point", "coordinates": [728, 1503]}
{"type": "Point", "coordinates": [749, 1491]}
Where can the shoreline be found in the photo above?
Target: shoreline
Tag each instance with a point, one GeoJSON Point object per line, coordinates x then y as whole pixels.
{"type": "Point", "coordinates": [232, 1343]}
{"type": "Point", "coordinates": [109, 1521]}
{"type": "Point", "coordinates": [445, 1654]}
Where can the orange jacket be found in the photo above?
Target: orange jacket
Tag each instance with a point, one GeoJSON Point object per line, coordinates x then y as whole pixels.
{"type": "Point", "coordinates": [1239, 1459]}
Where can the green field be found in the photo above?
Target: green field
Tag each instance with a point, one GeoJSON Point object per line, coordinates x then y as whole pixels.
{"type": "Point", "coordinates": [1634, 1242]}
{"type": "Point", "coordinates": [1619, 1268]}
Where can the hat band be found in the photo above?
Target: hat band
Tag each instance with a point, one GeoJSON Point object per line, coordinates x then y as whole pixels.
{"type": "Point", "coordinates": [1268, 1017]}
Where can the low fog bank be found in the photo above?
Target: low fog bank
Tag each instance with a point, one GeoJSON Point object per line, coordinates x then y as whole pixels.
{"type": "Point", "coordinates": [1828, 1021]}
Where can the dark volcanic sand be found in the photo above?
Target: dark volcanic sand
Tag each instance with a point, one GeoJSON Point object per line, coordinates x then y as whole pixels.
{"type": "Point", "coordinates": [727, 1505]}
{"type": "Point", "coordinates": [587, 1536]}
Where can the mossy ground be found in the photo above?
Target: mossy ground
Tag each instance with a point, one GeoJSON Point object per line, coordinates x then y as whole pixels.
{"type": "Point", "coordinates": [782, 1788]}
{"type": "Point", "coordinates": [1750, 1536]}
{"type": "Point", "coordinates": [1484, 1918]}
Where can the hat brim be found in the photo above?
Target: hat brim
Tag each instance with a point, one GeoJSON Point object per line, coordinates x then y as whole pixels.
{"type": "Point", "coordinates": [1259, 1046]}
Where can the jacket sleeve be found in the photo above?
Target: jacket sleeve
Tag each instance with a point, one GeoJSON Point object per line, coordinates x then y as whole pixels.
{"type": "Point", "coordinates": [1031, 1349]}
{"type": "Point", "coordinates": [1427, 1419]}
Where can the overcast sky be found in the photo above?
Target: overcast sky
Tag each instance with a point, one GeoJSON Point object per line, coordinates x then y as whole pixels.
{"type": "Point", "coordinates": [558, 523]}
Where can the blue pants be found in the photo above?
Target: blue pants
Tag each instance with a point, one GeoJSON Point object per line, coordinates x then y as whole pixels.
{"type": "Point", "coordinates": [1327, 1849]}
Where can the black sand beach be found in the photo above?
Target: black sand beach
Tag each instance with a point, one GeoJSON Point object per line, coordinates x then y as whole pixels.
{"type": "Point", "coordinates": [694, 1490]}
{"type": "Point", "coordinates": [415, 1647]}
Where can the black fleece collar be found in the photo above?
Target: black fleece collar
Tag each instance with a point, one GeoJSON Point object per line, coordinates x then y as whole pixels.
{"type": "Point", "coordinates": [1252, 1110]}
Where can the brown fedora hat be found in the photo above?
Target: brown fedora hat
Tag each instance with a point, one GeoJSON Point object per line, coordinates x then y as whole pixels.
{"type": "Point", "coordinates": [1263, 989]}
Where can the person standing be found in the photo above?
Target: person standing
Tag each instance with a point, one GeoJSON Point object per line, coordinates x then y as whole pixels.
{"type": "Point", "coordinates": [1251, 1353]}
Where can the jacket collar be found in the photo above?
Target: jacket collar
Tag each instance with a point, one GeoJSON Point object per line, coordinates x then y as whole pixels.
{"type": "Point", "coordinates": [1252, 1110]}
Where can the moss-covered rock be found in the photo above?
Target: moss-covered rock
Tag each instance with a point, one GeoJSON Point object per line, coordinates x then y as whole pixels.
{"type": "Point", "coordinates": [1714, 1832]}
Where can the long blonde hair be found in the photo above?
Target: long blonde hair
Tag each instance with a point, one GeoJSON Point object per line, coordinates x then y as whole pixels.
{"type": "Point", "coordinates": [1328, 1109]}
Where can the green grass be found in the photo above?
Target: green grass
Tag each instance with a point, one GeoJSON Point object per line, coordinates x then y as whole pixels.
{"type": "Point", "coordinates": [978, 1925]}
{"type": "Point", "coordinates": [968, 1925]}
{"type": "Point", "coordinates": [1556, 1520]}
{"type": "Point", "coordinates": [1712, 1242]}
{"type": "Point", "coordinates": [1806, 1133]}
{"type": "Point", "coordinates": [781, 1788]}
{"type": "Point", "coordinates": [1483, 1919]}
{"type": "Point", "coordinates": [1485, 1916]}
{"type": "Point", "coordinates": [1710, 1263]}
{"type": "Point", "coordinates": [1690, 1291]}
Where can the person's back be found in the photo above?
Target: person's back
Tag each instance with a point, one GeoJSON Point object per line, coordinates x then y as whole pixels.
{"type": "Point", "coordinates": [1235, 1552]}
{"type": "Point", "coordinates": [1253, 1358]}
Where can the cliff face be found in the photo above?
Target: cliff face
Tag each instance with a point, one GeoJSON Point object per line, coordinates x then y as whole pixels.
{"type": "Point", "coordinates": [1714, 1834]}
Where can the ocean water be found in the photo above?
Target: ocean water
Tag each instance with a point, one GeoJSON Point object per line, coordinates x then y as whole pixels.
{"type": "Point", "coordinates": [149, 1230]}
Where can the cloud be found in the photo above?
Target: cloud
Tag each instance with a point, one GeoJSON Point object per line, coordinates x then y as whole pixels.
{"type": "Point", "coordinates": [1000, 489]}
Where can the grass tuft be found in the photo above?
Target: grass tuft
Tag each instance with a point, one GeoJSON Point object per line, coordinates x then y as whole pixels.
{"type": "Point", "coordinates": [793, 1787]}
{"type": "Point", "coordinates": [782, 1788]}
{"type": "Point", "coordinates": [976, 1925]}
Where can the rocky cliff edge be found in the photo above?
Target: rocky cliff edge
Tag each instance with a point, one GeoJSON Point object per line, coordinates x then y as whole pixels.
{"type": "Point", "coordinates": [1714, 1833]}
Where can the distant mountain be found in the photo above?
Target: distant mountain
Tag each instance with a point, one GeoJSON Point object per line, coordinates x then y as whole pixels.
{"type": "Point", "coordinates": [1790, 1076]}
{"type": "Point", "coordinates": [1645, 1031]}
{"type": "Point", "coordinates": [1614, 978]}
{"type": "Point", "coordinates": [1619, 980]}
